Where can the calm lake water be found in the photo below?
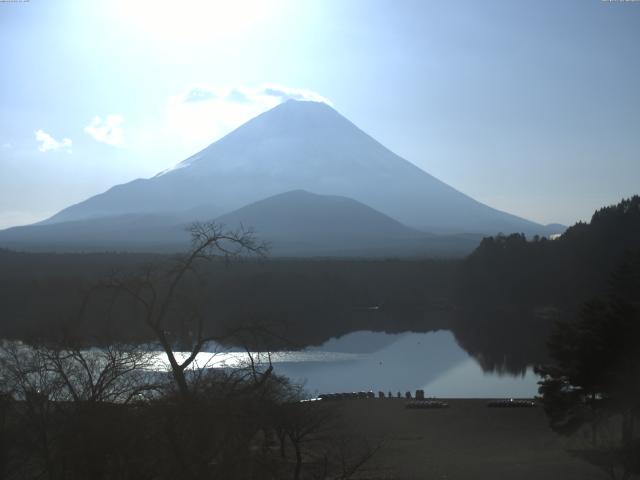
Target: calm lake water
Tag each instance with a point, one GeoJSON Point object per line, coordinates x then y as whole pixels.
{"type": "Point", "coordinates": [363, 361]}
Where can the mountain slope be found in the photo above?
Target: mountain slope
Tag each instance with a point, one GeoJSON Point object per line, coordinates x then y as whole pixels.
{"type": "Point", "coordinates": [126, 232]}
{"type": "Point", "coordinates": [309, 146]}
{"type": "Point", "coordinates": [295, 223]}
{"type": "Point", "coordinates": [317, 216]}
{"type": "Point", "coordinates": [303, 223]}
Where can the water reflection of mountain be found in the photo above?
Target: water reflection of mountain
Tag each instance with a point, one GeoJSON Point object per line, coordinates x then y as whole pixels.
{"type": "Point", "coordinates": [359, 342]}
{"type": "Point", "coordinates": [402, 362]}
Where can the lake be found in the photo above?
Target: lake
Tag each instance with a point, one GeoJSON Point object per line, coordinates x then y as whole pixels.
{"type": "Point", "coordinates": [377, 361]}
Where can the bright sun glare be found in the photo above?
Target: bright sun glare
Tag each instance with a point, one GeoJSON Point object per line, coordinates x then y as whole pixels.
{"type": "Point", "coordinates": [193, 20]}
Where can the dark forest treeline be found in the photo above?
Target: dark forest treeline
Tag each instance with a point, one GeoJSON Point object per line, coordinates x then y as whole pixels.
{"type": "Point", "coordinates": [512, 290]}
{"type": "Point", "coordinates": [302, 301]}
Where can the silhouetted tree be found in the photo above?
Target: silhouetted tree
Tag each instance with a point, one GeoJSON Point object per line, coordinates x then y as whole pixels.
{"type": "Point", "coordinates": [67, 407]}
{"type": "Point", "coordinates": [595, 374]}
{"type": "Point", "coordinates": [74, 412]}
{"type": "Point", "coordinates": [159, 293]}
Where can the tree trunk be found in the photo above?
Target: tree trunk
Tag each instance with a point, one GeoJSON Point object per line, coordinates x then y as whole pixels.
{"type": "Point", "coordinates": [282, 438]}
{"type": "Point", "coordinates": [296, 475]}
{"type": "Point", "coordinates": [627, 429]}
{"type": "Point", "coordinates": [178, 373]}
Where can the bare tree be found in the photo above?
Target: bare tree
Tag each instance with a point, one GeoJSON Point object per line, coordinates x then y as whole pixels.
{"type": "Point", "coordinates": [76, 403]}
{"type": "Point", "coordinates": [322, 449]}
{"type": "Point", "coordinates": [68, 405]}
{"type": "Point", "coordinates": [157, 291]}
{"type": "Point", "coordinates": [115, 373]}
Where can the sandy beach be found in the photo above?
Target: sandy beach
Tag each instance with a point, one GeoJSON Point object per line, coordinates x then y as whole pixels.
{"type": "Point", "coordinates": [468, 440]}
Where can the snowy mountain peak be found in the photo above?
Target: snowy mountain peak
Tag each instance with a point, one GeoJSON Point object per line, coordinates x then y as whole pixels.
{"type": "Point", "coordinates": [302, 145]}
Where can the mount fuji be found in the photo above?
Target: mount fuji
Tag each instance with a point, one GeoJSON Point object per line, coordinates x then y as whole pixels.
{"type": "Point", "coordinates": [296, 146]}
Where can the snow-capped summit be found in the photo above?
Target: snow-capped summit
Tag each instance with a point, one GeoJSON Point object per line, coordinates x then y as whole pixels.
{"type": "Point", "coordinates": [309, 146]}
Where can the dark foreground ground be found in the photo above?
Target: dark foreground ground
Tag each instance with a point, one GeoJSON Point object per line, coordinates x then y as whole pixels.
{"type": "Point", "coordinates": [468, 440]}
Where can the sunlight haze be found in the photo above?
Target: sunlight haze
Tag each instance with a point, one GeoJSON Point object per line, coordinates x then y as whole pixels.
{"type": "Point", "coordinates": [529, 109]}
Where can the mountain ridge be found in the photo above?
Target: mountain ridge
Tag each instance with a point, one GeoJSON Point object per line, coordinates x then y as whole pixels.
{"type": "Point", "coordinates": [295, 224]}
{"type": "Point", "coordinates": [296, 154]}
{"type": "Point", "coordinates": [309, 146]}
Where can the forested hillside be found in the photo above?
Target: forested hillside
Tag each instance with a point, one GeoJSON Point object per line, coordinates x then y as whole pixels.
{"type": "Point", "coordinates": [512, 290]}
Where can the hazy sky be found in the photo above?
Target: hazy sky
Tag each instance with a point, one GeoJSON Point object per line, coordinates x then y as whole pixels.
{"type": "Point", "coordinates": [531, 107]}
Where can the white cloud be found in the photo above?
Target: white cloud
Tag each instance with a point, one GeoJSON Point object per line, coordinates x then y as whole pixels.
{"type": "Point", "coordinates": [285, 93]}
{"type": "Point", "coordinates": [108, 130]}
{"type": "Point", "coordinates": [203, 113]}
{"type": "Point", "coordinates": [47, 142]}
{"type": "Point", "coordinates": [267, 94]}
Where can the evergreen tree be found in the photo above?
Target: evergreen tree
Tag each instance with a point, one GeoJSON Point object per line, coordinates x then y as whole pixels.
{"type": "Point", "coordinates": [594, 377]}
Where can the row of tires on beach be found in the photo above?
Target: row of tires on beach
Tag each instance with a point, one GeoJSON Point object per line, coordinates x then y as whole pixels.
{"type": "Point", "coordinates": [426, 404]}
{"type": "Point", "coordinates": [511, 403]}
{"type": "Point", "coordinates": [421, 402]}
{"type": "Point", "coordinates": [369, 394]}
{"type": "Point", "coordinates": [346, 396]}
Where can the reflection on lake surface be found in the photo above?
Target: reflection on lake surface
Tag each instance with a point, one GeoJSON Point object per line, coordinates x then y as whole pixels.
{"type": "Point", "coordinates": [389, 362]}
